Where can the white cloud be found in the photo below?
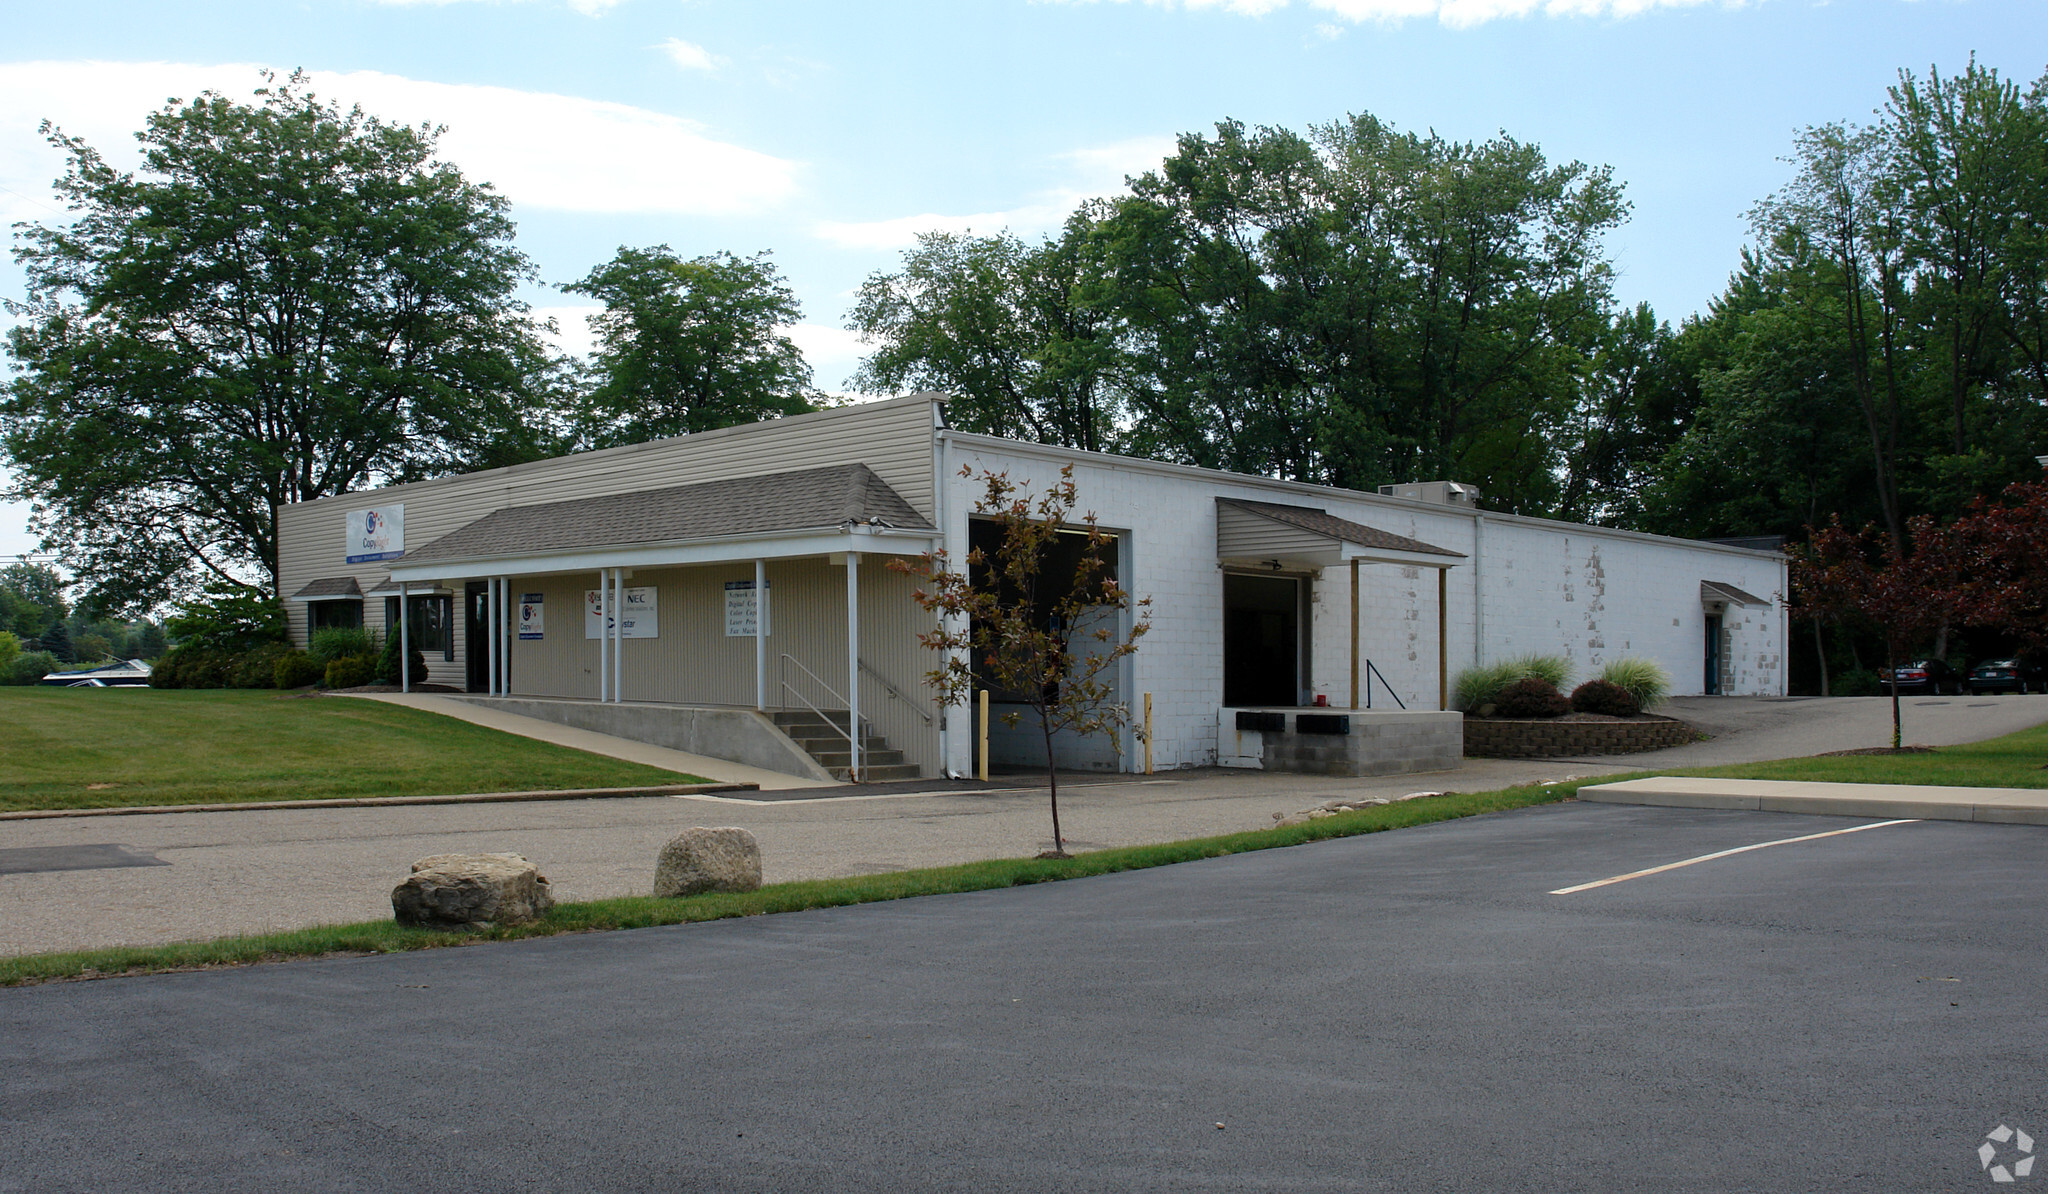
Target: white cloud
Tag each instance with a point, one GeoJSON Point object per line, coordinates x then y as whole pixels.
{"type": "Point", "coordinates": [573, 334]}
{"type": "Point", "coordinates": [1460, 14]}
{"type": "Point", "coordinates": [562, 152]}
{"type": "Point", "coordinates": [1091, 173]}
{"type": "Point", "coordinates": [833, 353]}
{"type": "Point", "coordinates": [690, 55]}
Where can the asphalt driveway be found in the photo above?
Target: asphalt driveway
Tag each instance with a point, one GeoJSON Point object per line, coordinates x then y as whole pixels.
{"type": "Point", "coordinates": [1403, 1011]}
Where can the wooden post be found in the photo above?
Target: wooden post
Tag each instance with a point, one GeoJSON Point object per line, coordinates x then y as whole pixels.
{"type": "Point", "coordinates": [1443, 639]}
{"type": "Point", "coordinates": [1148, 733]}
{"type": "Point", "coordinates": [984, 735]}
{"type": "Point", "coordinates": [1354, 634]}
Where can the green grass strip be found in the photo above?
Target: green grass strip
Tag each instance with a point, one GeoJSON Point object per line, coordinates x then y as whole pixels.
{"type": "Point", "coordinates": [639, 912]}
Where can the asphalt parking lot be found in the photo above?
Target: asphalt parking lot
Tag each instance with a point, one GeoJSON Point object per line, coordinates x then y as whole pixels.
{"type": "Point", "coordinates": [1404, 1011]}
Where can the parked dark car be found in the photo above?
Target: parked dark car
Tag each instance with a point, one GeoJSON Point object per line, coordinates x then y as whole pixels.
{"type": "Point", "coordinates": [2008, 675]}
{"type": "Point", "coordinates": [1923, 675]}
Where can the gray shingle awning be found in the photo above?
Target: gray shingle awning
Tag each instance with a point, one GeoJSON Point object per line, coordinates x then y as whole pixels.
{"type": "Point", "coordinates": [1722, 591]}
{"type": "Point", "coordinates": [1248, 530]}
{"type": "Point", "coordinates": [332, 588]}
{"type": "Point", "coordinates": [840, 496]}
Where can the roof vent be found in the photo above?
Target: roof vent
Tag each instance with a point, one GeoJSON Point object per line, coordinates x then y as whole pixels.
{"type": "Point", "coordinates": [1441, 493]}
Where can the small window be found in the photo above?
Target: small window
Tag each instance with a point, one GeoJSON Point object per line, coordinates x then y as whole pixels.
{"type": "Point", "coordinates": [326, 615]}
{"type": "Point", "coordinates": [430, 623]}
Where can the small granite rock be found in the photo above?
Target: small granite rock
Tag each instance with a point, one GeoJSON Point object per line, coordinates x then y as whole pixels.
{"type": "Point", "coordinates": [461, 890]}
{"type": "Point", "coordinates": [700, 860]}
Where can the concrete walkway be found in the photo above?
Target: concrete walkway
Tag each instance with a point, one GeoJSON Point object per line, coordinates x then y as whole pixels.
{"type": "Point", "coordinates": [1926, 802]}
{"type": "Point", "coordinates": [599, 744]}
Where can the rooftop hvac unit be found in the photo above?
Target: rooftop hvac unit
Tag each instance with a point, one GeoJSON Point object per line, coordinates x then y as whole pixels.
{"type": "Point", "coordinates": [1442, 493]}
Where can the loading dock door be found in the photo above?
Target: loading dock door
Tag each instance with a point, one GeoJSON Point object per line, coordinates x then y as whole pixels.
{"type": "Point", "coordinates": [1261, 640]}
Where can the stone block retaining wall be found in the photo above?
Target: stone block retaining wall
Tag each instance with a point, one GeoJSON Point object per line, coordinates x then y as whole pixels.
{"type": "Point", "coordinates": [1511, 738]}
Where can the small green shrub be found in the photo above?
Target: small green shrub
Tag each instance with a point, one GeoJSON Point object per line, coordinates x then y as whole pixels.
{"type": "Point", "coordinates": [1483, 685]}
{"type": "Point", "coordinates": [1605, 696]}
{"type": "Point", "coordinates": [29, 667]}
{"type": "Point", "coordinates": [350, 671]}
{"type": "Point", "coordinates": [387, 664]}
{"type": "Point", "coordinates": [1860, 681]}
{"type": "Point", "coordinates": [332, 642]}
{"type": "Point", "coordinates": [1531, 696]}
{"type": "Point", "coordinates": [1644, 679]}
{"type": "Point", "coordinates": [296, 669]}
{"type": "Point", "coordinates": [258, 668]}
{"type": "Point", "coordinates": [192, 666]}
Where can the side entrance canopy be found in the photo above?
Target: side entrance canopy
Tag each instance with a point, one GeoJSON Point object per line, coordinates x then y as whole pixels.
{"type": "Point", "coordinates": [1269, 536]}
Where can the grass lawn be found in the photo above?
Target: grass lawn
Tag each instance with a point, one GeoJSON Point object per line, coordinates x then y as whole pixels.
{"type": "Point", "coordinates": [2014, 761]}
{"type": "Point", "coordinates": [106, 747]}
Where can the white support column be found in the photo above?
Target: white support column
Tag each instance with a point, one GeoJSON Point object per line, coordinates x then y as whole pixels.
{"type": "Point", "coordinates": [760, 636]}
{"type": "Point", "coordinates": [404, 640]}
{"type": "Point", "coordinates": [504, 636]}
{"type": "Point", "coordinates": [491, 634]}
{"type": "Point", "coordinates": [618, 635]}
{"type": "Point", "coordinates": [853, 660]}
{"type": "Point", "coordinates": [604, 635]}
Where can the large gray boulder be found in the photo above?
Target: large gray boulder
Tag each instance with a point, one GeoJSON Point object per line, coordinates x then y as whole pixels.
{"type": "Point", "coordinates": [463, 890]}
{"type": "Point", "coordinates": [699, 860]}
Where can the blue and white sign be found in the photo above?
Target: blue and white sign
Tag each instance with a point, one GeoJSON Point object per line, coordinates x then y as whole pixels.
{"type": "Point", "coordinates": [377, 533]}
{"type": "Point", "coordinates": [530, 625]}
{"type": "Point", "coordinates": [741, 609]}
{"type": "Point", "coordinates": [638, 620]}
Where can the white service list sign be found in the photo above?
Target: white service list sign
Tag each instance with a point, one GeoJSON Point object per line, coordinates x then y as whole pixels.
{"type": "Point", "coordinates": [637, 620]}
{"type": "Point", "coordinates": [530, 610]}
{"type": "Point", "coordinates": [741, 609]}
{"type": "Point", "coordinates": [376, 534]}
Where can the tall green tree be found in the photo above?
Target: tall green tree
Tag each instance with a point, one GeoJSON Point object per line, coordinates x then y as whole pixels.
{"type": "Point", "coordinates": [289, 300]}
{"type": "Point", "coordinates": [687, 346]}
{"type": "Point", "coordinates": [1003, 327]}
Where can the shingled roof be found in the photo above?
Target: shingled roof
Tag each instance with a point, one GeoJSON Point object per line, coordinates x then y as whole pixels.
{"type": "Point", "coordinates": [328, 589]}
{"type": "Point", "coordinates": [806, 499]}
{"type": "Point", "coordinates": [1323, 523]}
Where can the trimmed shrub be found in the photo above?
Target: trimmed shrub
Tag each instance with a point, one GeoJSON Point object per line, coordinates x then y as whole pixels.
{"type": "Point", "coordinates": [192, 666]}
{"type": "Point", "coordinates": [1483, 685]}
{"type": "Point", "coordinates": [29, 667]}
{"type": "Point", "coordinates": [387, 664]}
{"type": "Point", "coordinates": [1602, 696]}
{"type": "Point", "coordinates": [1531, 696]}
{"type": "Point", "coordinates": [296, 669]}
{"type": "Point", "coordinates": [1860, 681]}
{"type": "Point", "coordinates": [332, 642]}
{"type": "Point", "coordinates": [258, 668]}
{"type": "Point", "coordinates": [350, 671]}
{"type": "Point", "coordinates": [1644, 679]}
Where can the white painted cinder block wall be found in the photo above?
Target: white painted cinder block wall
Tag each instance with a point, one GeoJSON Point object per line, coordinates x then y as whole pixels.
{"type": "Point", "coordinates": [1552, 588]}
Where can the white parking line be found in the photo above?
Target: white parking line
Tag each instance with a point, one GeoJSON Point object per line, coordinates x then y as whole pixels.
{"type": "Point", "coordinates": [1783, 841]}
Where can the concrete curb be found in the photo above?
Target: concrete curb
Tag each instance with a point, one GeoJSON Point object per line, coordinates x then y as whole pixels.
{"type": "Point", "coordinates": [383, 801]}
{"type": "Point", "coordinates": [2008, 806]}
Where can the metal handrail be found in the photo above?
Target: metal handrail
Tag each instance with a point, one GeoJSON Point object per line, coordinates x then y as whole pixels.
{"type": "Point", "coordinates": [894, 691]}
{"type": "Point", "coordinates": [847, 733]}
{"type": "Point", "coordinates": [1370, 672]}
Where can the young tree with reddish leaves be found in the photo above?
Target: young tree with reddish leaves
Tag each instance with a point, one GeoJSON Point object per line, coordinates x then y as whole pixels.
{"type": "Point", "coordinates": [1012, 622]}
{"type": "Point", "coordinates": [1867, 577]}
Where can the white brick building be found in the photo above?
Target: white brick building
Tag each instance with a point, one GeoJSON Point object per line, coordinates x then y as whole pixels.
{"type": "Point", "coordinates": [1234, 565]}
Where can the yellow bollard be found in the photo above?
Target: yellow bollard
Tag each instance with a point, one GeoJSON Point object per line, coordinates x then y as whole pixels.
{"type": "Point", "coordinates": [1148, 733]}
{"type": "Point", "coordinates": [984, 735]}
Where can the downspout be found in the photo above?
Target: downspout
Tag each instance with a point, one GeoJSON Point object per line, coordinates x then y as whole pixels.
{"type": "Point", "coordinates": [1478, 589]}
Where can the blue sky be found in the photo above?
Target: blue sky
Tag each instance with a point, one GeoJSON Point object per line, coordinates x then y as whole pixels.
{"type": "Point", "coordinates": [832, 133]}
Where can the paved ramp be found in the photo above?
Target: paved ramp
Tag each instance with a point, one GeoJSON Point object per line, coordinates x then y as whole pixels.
{"type": "Point", "coordinates": [1928, 802]}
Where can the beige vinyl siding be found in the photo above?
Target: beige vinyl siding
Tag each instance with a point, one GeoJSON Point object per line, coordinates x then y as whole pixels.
{"type": "Point", "coordinates": [894, 438]}
{"type": "Point", "coordinates": [1241, 535]}
{"type": "Point", "coordinates": [692, 661]}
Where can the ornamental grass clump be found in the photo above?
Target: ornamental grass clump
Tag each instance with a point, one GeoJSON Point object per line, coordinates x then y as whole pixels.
{"type": "Point", "coordinates": [1644, 679]}
{"type": "Point", "coordinates": [1531, 696]}
{"type": "Point", "coordinates": [1602, 696]}
{"type": "Point", "coordinates": [1483, 685]}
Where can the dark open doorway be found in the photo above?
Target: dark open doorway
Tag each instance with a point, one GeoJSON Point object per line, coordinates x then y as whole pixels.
{"type": "Point", "coordinates": [1711, 683]}
{"type": "Point", "coordinates": [477, 635]}
{"type": "Point", "coordinates": [1261, 640]}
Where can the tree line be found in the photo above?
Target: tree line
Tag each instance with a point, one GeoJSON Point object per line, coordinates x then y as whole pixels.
{"type": "Point", "coordinates": [291, 300]}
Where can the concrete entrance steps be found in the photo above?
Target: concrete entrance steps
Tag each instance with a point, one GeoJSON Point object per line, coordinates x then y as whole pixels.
{"type": "Point", "coordinates": [2016, 806]}
{"type": "Point", "coordinates": [823, 737]}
